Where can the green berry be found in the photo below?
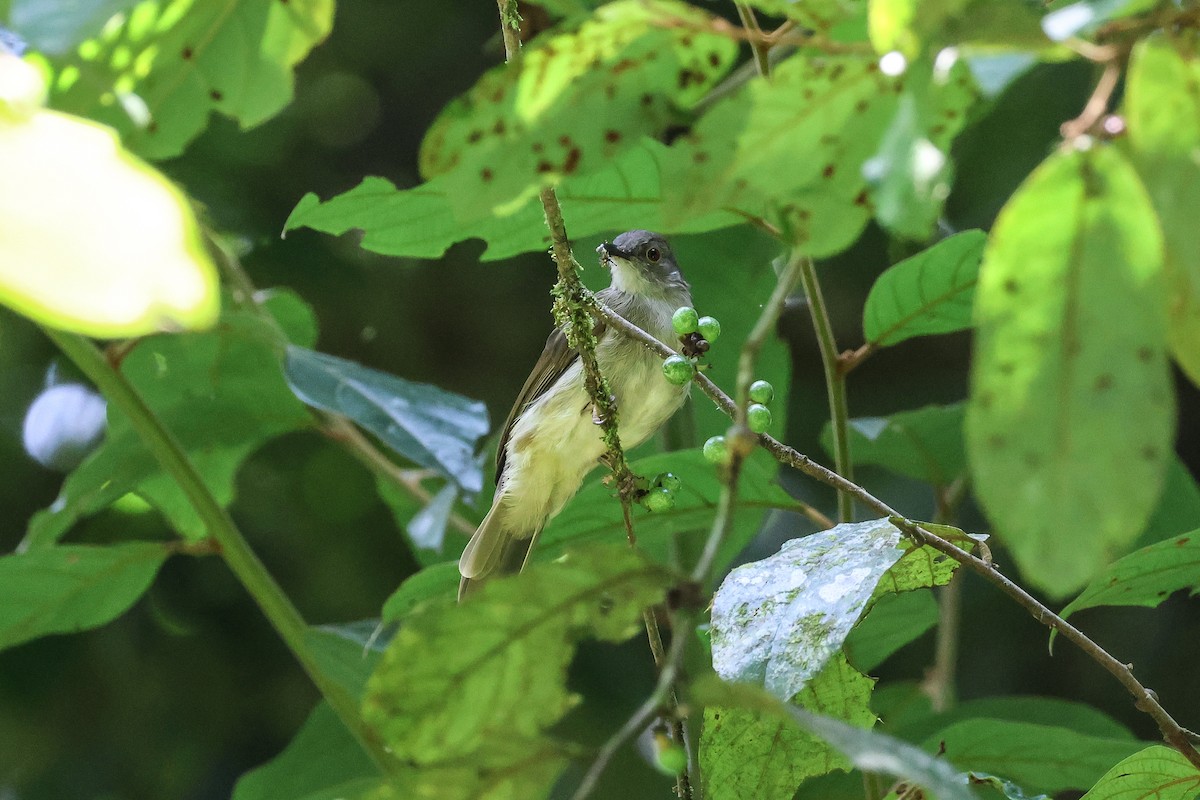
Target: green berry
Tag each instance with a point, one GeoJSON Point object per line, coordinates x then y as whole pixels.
{"type": "Point", "coordinates": [659, 500]}
{"type": "Point", "coordinates": [716, 451]}
{"type": "Point", "coordinates": [758, 417]}
{"type": "Point", "coordinates": [677, 370]}
{"type": "Point", "coordinates": [671, 759]}
{"type": "Point", "coordinates": [685, 319]}
{"type": "Point", "coordinates": [669, 480]}
{"type": "Point", "coordinates": [761, 392]}
{"type": "Point", "coordinates": [709, 328]}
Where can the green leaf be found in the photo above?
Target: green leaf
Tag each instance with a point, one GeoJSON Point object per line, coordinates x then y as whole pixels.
{"type": "Point", "coordinates": [931, 292]}
{"type": "Point", "coordinates": [911, 173]}
{"type": "Point", "coordinates": [741, 154]}
{"type": "Point", "coordinates": [465, 692]}
{"type": "Point", "coordinates": [157, 73]}
{"type": "Point", "coordinates": [92, 239]}
{"type": "Point", "coordinates": [1145, 577]}
{"type": "Point", "coordinates": [72, 588]}
{"type": "Point", "coordinates": [922, 566]}
{"type": "Point", "coordinates": [435, 428]}
{"type": "Point", "coordinates": [776, 622]}
{"type": "Point", "coordinates": [1045, 711]}
{"type": "Point", "coordinates": [1162, 106]}
{"type": "Point", "coordinates": [1070, 421]}
{"type": "Point", "coordinates": [421, 222]}
{"type": "Point", "coordinates": [866, 750]}
{"type": "Point", "coordinates": [322, 762]}
{"type": "Point", "coordinates": [925, 444]}
{"type": "Point", "coordinates": [745, 753]}
{"type": "Point", "coordinates": [1157, 772]}
{"type": "Point", "coordinates": [594, 515]}
{"type": "Point", "coordinates": [573, 102]}
{"type": "Point", "coordinates": [894, 621]}
{"type": "Point", "coordinates": [439, 581]}
{"type": "Point", "coordinates": [1041, 758]}
{"type": "Point", "coordinates": [348, 652]}
{"type": "Point", "coordinates": [916, 27]}
{"type": "Point", "coordinates": [223, 396]}
{"type": "Point", "coordinates": [1178, 508]}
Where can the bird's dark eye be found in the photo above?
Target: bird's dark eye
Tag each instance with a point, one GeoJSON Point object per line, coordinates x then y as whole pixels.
{"type": "Point", "coordinates": [653, 255]}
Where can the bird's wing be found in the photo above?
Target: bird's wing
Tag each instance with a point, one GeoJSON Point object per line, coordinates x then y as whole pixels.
{"type": "Point", "coordinates": [556, 358]}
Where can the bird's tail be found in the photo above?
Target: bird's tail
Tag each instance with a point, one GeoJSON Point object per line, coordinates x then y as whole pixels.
{"type": "Point", "coordinates": [495, 549]}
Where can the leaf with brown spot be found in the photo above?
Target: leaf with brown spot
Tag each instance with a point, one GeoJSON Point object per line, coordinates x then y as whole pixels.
{"type": "Point", "coordinates": [1092, 301]}
{"type": "Point", "coordinates": [236, 57]}
{"type": "Point", "coordinates": [619, 65]}
{"type": "Point", "coordinates": [422, 222]}
{"type": "Point", "coordinates": [754, 137]}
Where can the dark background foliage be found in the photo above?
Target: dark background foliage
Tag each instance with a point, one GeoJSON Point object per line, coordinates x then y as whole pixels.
{"type": "Point", "coordinates": [191, 688]}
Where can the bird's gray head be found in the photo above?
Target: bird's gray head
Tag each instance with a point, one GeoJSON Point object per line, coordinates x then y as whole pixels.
{"type": "Point", "coordinates": [642, 263]}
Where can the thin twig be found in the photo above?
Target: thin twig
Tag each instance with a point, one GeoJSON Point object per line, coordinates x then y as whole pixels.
{"type": "Point", "coordinates": [1097, 103]}
{"type": "Point", "coordinates": [759, 44]}
{"type": "Point", "coordinates": [1144, 699]}
{"type": "Point", "coordinates": [835, 385]}
{"type": "Point", "coordinates": [851, 359]}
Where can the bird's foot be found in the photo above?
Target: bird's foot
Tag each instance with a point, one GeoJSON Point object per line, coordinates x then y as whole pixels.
{"type": "Point", "coordinates": [598, 417]}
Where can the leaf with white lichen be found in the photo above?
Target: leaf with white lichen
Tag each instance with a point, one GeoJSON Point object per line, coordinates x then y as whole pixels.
{"type": "Point", "coordinates": [777, 621]}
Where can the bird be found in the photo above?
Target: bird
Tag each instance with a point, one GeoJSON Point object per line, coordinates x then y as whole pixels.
{"type": "Point", "coordinates": [552, 438]}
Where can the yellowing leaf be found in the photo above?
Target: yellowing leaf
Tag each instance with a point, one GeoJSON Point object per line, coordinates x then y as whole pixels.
{"type": "Point", "coordinates": [92, 239]}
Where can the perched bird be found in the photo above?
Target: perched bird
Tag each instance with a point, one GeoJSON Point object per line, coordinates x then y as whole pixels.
{"type": "Point", "coordinates": [552, 439]}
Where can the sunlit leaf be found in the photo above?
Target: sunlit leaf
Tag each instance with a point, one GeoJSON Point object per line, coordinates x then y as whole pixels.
{"type": "Point", "coordinates": [433, 427]}
{"type": "Point", "coordinates": [92, 239]}
{"type": "Point", "coordinates": [422, 222]}
{"type": "Point", "coordinates": [916, 27]}
{"type": "Point", "coordinates": [745, 753]}
{"type": "Point", "coordinates": [223, 396]}
{"type": "Point", "coordinates": [1146, 577]}
{"type": "Point", "coordinates": [322, 762]}
{"type": "Point", "coordinates": [1178, 508]}
{"type": "Point", "coordinates": [1041, 758]}
{"type": "Point", "coordinates": [1162, 104]}
{"type": "Point", "coordinates": [911, 173]}
{"type": "Point", "coordinates": [925, 444]}
{"type": "Point", "coordinates": [158, 72]}
{"type": "Point", "coordinates": [439, 581]}
{"type": "Point", "coordinates": [929, 293]}
{"type": "Point", "coordinates": [72, 588]}
{"type": "Point", "coordinates": [465, 692]}
{"type": "Point", "coordinates": [741, 154]}
{"type": "Point", "coordinates": [573, 101]}
{"type": "Point", "coordinates": [1070, 421]}
{"type": "Point", "coordinates": [1157, 772]}
{"type": "Point", "coordinates": [865, 749]}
